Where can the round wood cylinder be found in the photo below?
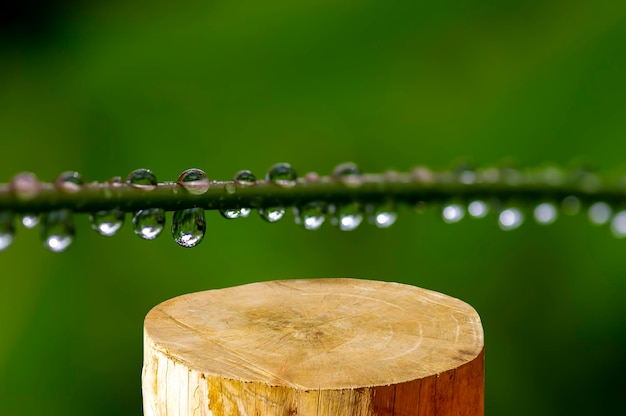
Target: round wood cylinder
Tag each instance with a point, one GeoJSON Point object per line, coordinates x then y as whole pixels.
{"type": "Point", "coordinates": [317, 347]}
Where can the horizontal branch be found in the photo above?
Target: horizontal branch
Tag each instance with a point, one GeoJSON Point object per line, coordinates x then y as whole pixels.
{"type": "Point", "coordinates": [421, 185]}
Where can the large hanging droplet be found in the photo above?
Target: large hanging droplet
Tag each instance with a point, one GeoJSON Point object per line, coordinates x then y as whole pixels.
{"type": "Point", "coordinates": [233, 213]}
{"type": "Point", "coordinates": [311, 216]}
{"type": "Point", "coordinates": [282, 174]}
{"type": "Point", "coordinates": [600, 213]}
{"type": "Point", "coordinates": [57, 230]}
{"type": "Point", "coordinates": [142, 179]}
{"type": "Point", "coordinates": [30, 220]}
{"type": "Point", "coordinates": [69, 182]}
{"type": "Point", "coordinates": [107, 223]}
{"type": "Point", "coordinates": [545, 213]}
{"type": "Point", "coordinates": [478, 209]}
{"type": "Point", "coordinates": [382, 215]}
{"type": "Point", "coordinates": [195, 181]}
{"type": "Point", "coordinates": [188, 227]}
{"type": "Point", "coordinates": [452, 213]}
{"type": "Point", "coordinates": [349, 174]}
{"type": "Point", "coordinates": [510, 219]}
{"type": "Point", "coordinates": [148, 223]}
{"type": "Point", "coordinates": [244, 178]}
{"type": "Point", "coordinates": [25, 186]}
{"type": "Point", "coordinates": [347, 217]}
{"type": "Point", "coordinates": [272, 214]}
{"type": "Point", "coordinates": [618, 224]}
{"type": "Point", "coordinates": [7, 229]}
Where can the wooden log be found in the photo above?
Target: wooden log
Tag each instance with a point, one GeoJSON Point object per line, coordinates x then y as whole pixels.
{"type": "Point", "coordinates": [319, 347]}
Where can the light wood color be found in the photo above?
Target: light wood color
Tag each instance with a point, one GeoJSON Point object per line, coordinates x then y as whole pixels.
{"type": "Point", "coordinates": [318, 347]}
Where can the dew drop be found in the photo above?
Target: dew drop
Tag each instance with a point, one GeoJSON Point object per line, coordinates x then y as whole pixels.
{"type": "Point", "coordinates": [311, 216]}
{"type": "Point", "coordinates": [233, 213]}
{"type": "Point", "coordinates": [383, 215]}
{"type": "Point", "coordinates": [465, 174]}
{"type": "Point", "coordinates": [347, 217]}
{"type": "Point", "coordinates": [600, 213]}
{"type": "Point", "coordinates": [478, 209]}
{"type": "Point", "coordinates": [553, 176]}
{"type": "Point", "coordinates": [195, 181]}
{"type": "Point", "coordinates": [107, 223]}
{"type": "Point", "coordinates": [142, 179]}
{"type": "Point", "coordinates": [188, 227]}
{"type": "Point", "coordinates": [25, 186]}
{"type": "Point", "coordinates": [452, 213]}
{"type": "Point", "coordinates": [148, 223]}
{"type": "Point", "coordinates": [423, 174]}
{"type": "Point", "coordinates": [230, 188]}
{"type": "Point", "coordinates": [510, 219]}
{"type": "Point", "coordinates": [571, 205]}
{"type": "Point", "coordinates": [545, 213]}
{"type": "Point", "coordinates": [244, 178]}
{"type": "Point", "coordinates": [618, 224]}
{"type": "Point", "coordinates": [272, 214]}
{"type": "Point", "coordinates": [349, 174]}
{"type": "Point", "coordinates": [69, 182]}
{"type": "Point", "coordinates": [30, 220]}
{"type": "Point", "coordinates": [282, 174]}
{"type": "Point", "coordinates": [346, 169]}
{"type": "Point", "coordinates": [7, 229]}
{"type": "Point", "coordinates": [57, 230]}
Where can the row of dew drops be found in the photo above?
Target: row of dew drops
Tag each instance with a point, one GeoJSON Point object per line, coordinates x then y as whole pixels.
{"type": "Point", "coordinates": [189, 225]}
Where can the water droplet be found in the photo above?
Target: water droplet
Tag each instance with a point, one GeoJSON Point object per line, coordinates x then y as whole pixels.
{"type": "Point", "coordinates": [600, 213]}
{"type": "Point", "coordinates": [478, 209]}
{"type": "Point", "coordinates": [510, 219]}
{"type": "Point", "coordinates": [188, 227]}
{"type": "Point", "coordinates": [282, 174]}
{"type": "Point", "coordinates": [69, 182]}
{"type": "Point", "coordinates": [312, 177]}
{"type": "Point", "coordinates": [553, 175]}
{"type": "Point", "coordinates": [545, 213]}
{"type": "Point", "coordinates": [107, 223]}
{"type": "Point", "coordinates": [143, 179]}
{"type": "Point", "coordinates": [423, 174]}
{"type": "Point", "coordinates": [452, 213]}
{"type": "Point", "coordinates": [383, 215]}
{"type": "Point", "coordinates": [347, 217]}
{"type": "Point", "coordinates": [349, 174]}
{"type": "Point", "coordinates": [512, 176]}
{"type": "Point", "coordinates": [57, 230]}
{"type": "Point", "coordinates": [195, 181]}
{"type": "Point", "coordinates": [618, 224]}
{"type": "Point", "coordinates": [311, 216]}
{"type": "Point", "coordinates": [7, 229]}
{"type": "Point", "coordinates": [148, 223]}
{"type": "Point", "coordinates": [346, 169]}
{"type": "Point", "coordinates": [272, 214]}
{"type": "Point", "coordinates": [571, 205]}
{"type": "Point", "coordinates": [233, 213]}
{"type": "Point", "coordinates": [244, 178]}
{"type": "Point", "coordinates": [465, 174]}
{"type": "Point", "coordinates": [25, 186]}
{"type": "Point", "coordinates": [30, 220]}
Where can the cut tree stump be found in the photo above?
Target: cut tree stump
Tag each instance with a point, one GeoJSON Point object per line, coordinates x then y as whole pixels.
{"type": "Point", "coordinates": [318, 347]}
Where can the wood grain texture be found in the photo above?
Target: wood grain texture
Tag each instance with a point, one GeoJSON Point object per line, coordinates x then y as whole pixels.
{"type": "Point", "coordinates": [313, 347]}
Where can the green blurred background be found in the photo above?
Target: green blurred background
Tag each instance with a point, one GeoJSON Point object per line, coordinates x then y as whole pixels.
{"type": "Point", "coordinates": [112, 86]}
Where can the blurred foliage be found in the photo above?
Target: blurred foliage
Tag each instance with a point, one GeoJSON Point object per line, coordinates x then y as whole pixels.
{"type": "Point", "coordinates": [107, 87]}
